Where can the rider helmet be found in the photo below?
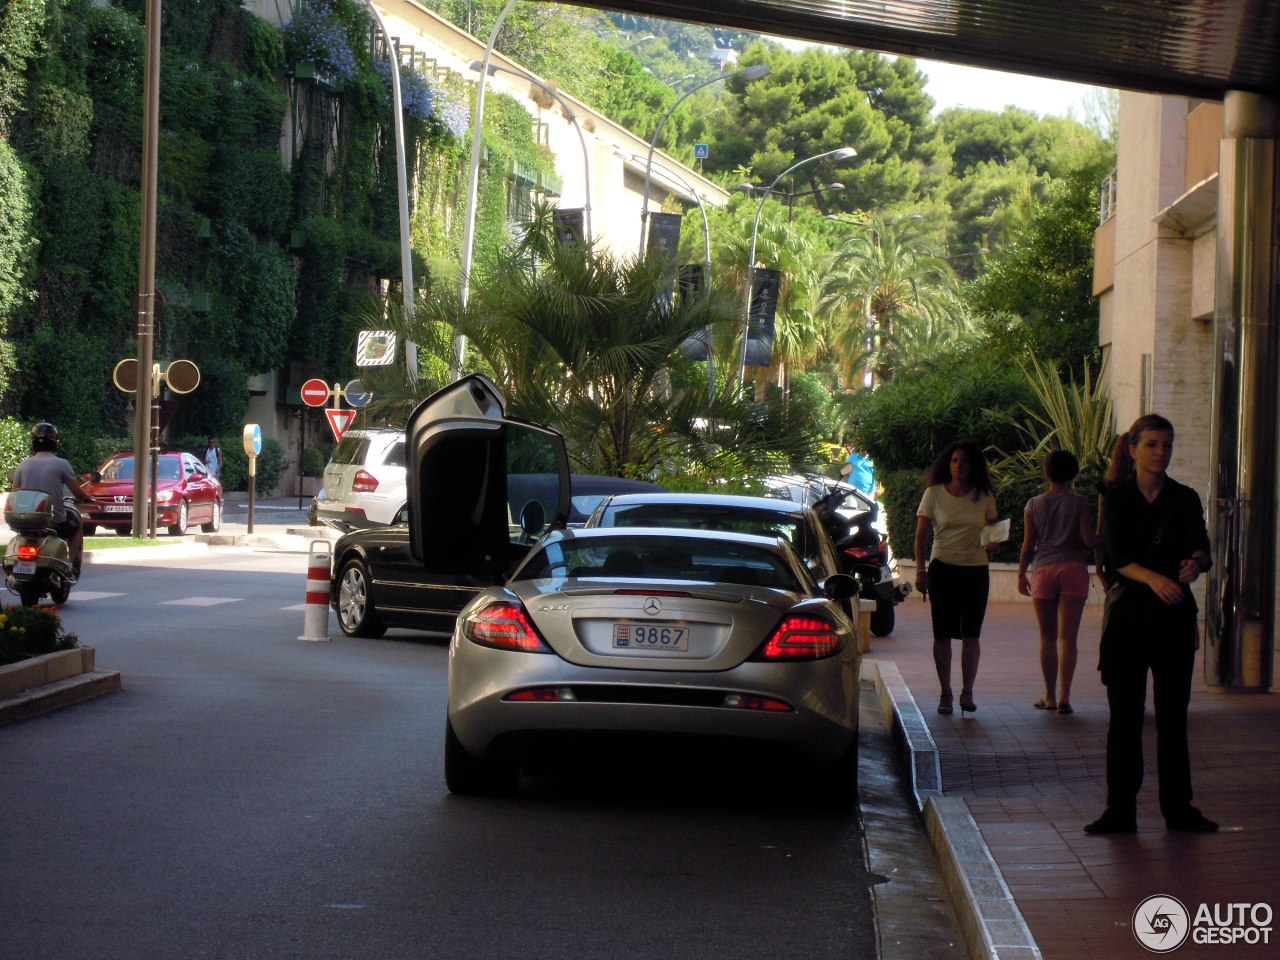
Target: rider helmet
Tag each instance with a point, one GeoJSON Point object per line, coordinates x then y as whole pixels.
{"type": "Point", "coordinates": [44, 436]}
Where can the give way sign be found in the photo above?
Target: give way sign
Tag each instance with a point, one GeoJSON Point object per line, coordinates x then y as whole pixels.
{"type": "Point", "coordinates": [339, 421]}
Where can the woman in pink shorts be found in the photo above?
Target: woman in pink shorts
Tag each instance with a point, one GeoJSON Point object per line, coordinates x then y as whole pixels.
{"type": "Point", "coordinates": [1053, 573]}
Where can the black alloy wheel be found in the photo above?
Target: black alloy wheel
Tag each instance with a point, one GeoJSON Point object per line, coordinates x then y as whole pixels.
{"type": "Point", "coordinates": [356, 613]}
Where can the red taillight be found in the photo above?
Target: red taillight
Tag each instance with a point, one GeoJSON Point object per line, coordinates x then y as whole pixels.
{"type": "Point", "coordinates": [28, 551]}
{"type": "Point", "coordinates": [364, 482]}
{"type": "Point", "coordinates": [541, 695]}
{"type": "Point", "coordinates": [801, 638]}
{"type": "Point", "coordinates": [746, 701]}
{"type": "Point", "coordinates": [505, 626]}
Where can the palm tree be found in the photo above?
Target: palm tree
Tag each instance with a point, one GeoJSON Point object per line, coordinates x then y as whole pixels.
{"type": "Point", "coordinates": [899, 298]}
{"type": "Point", "coordinates": [589, 343]}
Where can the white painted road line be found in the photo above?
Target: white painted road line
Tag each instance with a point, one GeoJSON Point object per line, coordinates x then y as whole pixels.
{"type": "Point", "coordinates": [200, 601]}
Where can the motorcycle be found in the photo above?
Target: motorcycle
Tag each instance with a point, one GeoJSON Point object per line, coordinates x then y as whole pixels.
{"type": "Point", "coordinates": [37, 561]}
{"type": "Point", "coordinates": [864, 554]}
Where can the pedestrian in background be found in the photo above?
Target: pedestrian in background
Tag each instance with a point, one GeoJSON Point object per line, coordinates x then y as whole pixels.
{"type": "Point", "coordinates": [1158, 545]}
{"type": "Point", "coordinates": [213, 458]}
{"type": "Point", "coordinates": [1057, 530]}
{"type": "Point", "coordinates": [861, 473]}
{"type": "Point", "coordinates": [957, 506]}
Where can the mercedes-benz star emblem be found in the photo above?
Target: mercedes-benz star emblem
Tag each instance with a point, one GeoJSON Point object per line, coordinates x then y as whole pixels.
{"type": "Point", "coordinates": [653, 606]}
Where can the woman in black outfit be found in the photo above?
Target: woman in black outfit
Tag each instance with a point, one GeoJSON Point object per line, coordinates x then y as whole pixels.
{"type": "Point", "coordinates": [1158, 546]}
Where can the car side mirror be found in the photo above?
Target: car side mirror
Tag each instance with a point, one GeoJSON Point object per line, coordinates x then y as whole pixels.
{"type": "Point", "coordinates": [532, 518]}
{"type": "Point", "coordinates": [840, 586]}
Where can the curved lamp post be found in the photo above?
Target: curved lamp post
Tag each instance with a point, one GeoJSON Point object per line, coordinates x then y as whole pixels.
{"type": "Point", "coordinates": [402, 193]}
{"type": "Point", "coordinates": [582, 139]}
{"type": "Point", "coordinates": [842, 153]}
{"type": "Point", "coordinates": [747, 73]}
{"type": "Point", "coordinates": [473, 185]}
{"type": "Point", "coordinates": [788, 195]}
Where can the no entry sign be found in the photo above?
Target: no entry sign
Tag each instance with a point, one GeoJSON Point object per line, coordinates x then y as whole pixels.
{"type": "Point", "coordinates": [315, 393]}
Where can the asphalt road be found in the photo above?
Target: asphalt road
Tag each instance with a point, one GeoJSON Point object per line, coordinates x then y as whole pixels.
{"type": "Point", "coordinates": [249, 795]}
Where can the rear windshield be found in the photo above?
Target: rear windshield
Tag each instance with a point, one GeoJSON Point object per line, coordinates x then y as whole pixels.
{"type": "Point", "coordinates": [707, 516]}
{"type": "Point", "coordinates": [671, 558]}
{"type": "Point", "coordinates": [351, 450]}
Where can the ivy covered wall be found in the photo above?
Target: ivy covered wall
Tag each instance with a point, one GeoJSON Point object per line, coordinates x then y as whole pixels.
{"type": "Point", "coordinates": [277, 200]}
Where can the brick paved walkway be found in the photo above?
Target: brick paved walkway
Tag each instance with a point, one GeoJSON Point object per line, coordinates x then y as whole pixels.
{"type": "Point", "coordinates": [1031, 779]}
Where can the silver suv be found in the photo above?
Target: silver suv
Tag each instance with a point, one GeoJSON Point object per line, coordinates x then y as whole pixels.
{"type": "Point", "coordinates": [364, 482]}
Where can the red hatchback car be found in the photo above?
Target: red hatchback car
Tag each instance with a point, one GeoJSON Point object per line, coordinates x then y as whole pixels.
{"type": "Point", "coordinates": [186, 494]}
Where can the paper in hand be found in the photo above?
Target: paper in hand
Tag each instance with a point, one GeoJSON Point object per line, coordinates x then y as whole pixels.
{"type": "Point", "coordinates": [997, 532]}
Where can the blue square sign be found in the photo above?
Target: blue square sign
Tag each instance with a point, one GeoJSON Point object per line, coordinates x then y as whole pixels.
{"type": "Point", "coordinates": [700, 151]}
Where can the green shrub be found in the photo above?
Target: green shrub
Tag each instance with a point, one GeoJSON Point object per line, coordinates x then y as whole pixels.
{"type": "Point", "coordinates": [235, 467]}
{"type": "Point", "coordinates": [906, 423]}
{"type": "Point", "coordinates": [901, 492]}
{"type": "Point", "coordinates": [313, 461]}
{"type": "Point", "coordinates": [30, 632]}
{"type": "Point", "coordinates": [15, 444]}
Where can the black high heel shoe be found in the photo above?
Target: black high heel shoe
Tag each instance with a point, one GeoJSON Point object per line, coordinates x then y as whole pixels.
{"type": "Point", "coordinates": [944, 704]}
{"type": "Point", "coordinates": [966, 704]}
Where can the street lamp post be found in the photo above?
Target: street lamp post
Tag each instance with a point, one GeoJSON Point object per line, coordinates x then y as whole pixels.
{"type": "Point", "coordinates": [790, 195]}
{"type": "Point", "coordinates": [402, 193]}
{"type": "Point", "coordinates": [842, 153]}
{"type": "Point", "coordinates": [754, 72]}
{"type": "Point", "coordinates": [473, 185]}
{"type": "Point", "coordinates": [582, 139]}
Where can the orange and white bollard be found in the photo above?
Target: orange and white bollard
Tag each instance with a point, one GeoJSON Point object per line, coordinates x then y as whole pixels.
{"type": "Point", "coordinates": [315, 623]}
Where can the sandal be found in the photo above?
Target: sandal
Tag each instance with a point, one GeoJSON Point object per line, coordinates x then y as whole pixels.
{"type": "Point", "coordinates": [966, 703]}
{"type": "Point", "coordinates": [1065, 708]}
{"type": "Point", "coordinates": [1044, 703]}
{"type": "Point", "coordinates": [944, 704]}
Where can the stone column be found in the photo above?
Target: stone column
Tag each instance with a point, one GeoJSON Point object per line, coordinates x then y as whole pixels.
{"type": "Point", "coordinates": [1241, 590]}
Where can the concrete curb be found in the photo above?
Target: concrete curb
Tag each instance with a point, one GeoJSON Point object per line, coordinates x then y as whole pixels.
{"type": "Point", "coordinates": [50, 682]}
{"type": "Point", "coordinates": [989, 918]}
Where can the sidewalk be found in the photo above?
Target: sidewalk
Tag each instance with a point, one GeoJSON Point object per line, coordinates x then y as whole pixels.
{"type": "Point", "coordinates": [1029, 779]}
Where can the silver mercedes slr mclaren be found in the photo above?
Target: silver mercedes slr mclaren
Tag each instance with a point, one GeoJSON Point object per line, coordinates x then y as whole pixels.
{"type": "Point", "coordinates": [663, 632]}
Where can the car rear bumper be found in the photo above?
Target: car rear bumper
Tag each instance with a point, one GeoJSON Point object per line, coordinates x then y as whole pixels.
{"type": "Point", "coordinates": [823, 696]}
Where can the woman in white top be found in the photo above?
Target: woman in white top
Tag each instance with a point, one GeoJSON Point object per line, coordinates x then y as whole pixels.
{"type": "Point", "coordinates": [957, 505]}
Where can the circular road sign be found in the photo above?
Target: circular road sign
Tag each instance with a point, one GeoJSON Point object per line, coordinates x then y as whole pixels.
{"type": "Point", "coordinates": [182, 376]}
{"type": "Point", "coordinates": [252, 439]}
{"type": "Point", "coordinates": [125, 375]}
{"type": "Point", "coordinates": [357, 393]}
{"type": "Point", "coordinates": [315, 392]}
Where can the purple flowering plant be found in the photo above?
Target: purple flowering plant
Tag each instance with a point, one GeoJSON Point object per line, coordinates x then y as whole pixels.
{"type": "Point", "coordinates": [446, 107]}
{"type": "Point", "coordinates": [316, 34]}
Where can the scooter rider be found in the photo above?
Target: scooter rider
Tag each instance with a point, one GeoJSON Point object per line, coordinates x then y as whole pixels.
{"type": "Point", "coordinates": [44, 470]}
